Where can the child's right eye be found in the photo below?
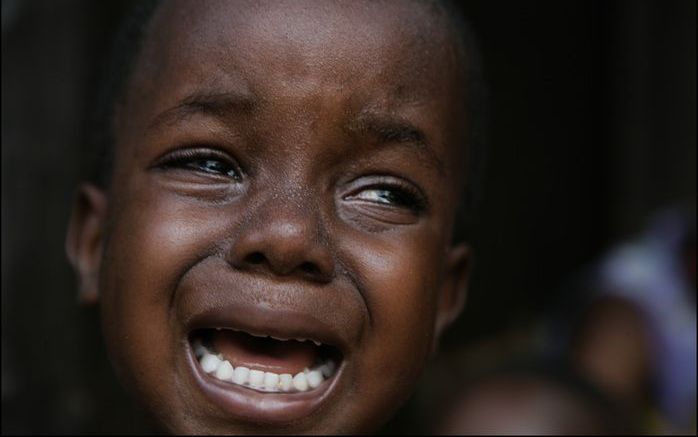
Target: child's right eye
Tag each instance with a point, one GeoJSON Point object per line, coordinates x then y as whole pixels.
{"type": "Point", "coordinates": [203, 160]}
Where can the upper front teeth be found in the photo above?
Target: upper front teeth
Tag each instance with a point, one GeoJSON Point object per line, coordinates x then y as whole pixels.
{"type": "Point", "coordinates": [317, 343]}
{"type": "Point", "coordinates": [264, 381]}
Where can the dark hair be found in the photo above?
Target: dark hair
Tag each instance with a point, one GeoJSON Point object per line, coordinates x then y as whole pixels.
{"type": "Point", "coordinates": [475, 92]}
{"type": "Point", "coordinates": [118, 67]}
{"type": "Point", "coordinates": [116, 70]}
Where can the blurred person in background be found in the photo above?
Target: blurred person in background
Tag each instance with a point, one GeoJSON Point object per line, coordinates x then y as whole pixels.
{"type": "Point", "coordinates": [508, 385]}
{"type": "Point", "coordinates": [616, 356]}
{"type": "Point", "coordinates": [635, 336]}
{"type": "Point", "coordinates": [529, 400]}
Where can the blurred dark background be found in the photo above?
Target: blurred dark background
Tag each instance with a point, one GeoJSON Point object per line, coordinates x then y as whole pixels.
{"type": "Point", "coordinates": [593, 128]}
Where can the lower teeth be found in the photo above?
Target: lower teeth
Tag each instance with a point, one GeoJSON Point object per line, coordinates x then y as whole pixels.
{"type": "Point", "coordinates": [270, 382]}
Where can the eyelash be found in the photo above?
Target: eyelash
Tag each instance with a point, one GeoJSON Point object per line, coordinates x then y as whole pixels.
{"type": "Point", "coordinates": [194, 159]}
{"type": "Point", "coordinates": [405, 196]}
{"type": "Point", "coordinates": [393, 192]}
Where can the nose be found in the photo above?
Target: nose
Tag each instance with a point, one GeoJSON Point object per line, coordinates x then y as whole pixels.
{"type": "Point", "coordinates": [284, 239]}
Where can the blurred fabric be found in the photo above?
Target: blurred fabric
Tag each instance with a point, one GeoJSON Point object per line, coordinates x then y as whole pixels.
{"type": "Point", "coordinates": [593, 129]}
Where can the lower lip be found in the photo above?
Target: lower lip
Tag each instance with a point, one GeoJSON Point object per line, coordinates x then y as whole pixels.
{"type": "Point", "coordinates": [252, 406]}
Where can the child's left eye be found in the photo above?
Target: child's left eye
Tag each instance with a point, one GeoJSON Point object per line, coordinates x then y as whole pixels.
{"type": "Point", "coordinates": [389, 191]}
{"type": "Point", "coordinates": [388, 196]}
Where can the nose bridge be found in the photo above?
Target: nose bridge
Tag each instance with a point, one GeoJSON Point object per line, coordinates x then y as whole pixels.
{"type": "Point", "coordinates": [292, 216]}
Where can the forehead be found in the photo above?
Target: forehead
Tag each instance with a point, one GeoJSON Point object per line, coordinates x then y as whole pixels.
{"type": "Point", "coordinates": [337, 40]}
{"type": "Point", "coordinates": [394, 56]}
{"type": "Point", "coordinates": [401, 45]}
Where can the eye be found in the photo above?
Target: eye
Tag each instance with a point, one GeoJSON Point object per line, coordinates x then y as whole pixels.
{"type": "Point", "coordinates": [211, 165]}
{"type": "Point", "coordinates": [393, 193]}
{"type": "Point", "coordinates": [202, 160]}
{"type": "Point", "coordinates": [389, 196]}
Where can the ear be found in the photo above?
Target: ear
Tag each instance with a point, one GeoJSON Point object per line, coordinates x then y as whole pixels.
{"type": "Point", "coordinates": [453, 289]}
{"type": "Point", "coordinates": [85, 239]}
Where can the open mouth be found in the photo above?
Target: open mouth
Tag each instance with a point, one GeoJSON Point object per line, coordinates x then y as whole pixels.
{"type": "Point", "coordinates": [260, 363]}
{"type": "Point", "coordinates": [264, 363]}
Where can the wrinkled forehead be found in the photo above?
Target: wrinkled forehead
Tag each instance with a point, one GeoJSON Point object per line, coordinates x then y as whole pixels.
{"type": "Point", "coordinates": [400, 49]}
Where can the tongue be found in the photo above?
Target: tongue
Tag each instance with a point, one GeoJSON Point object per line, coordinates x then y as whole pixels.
{"type": "Point", "coordinates": [264, 354]}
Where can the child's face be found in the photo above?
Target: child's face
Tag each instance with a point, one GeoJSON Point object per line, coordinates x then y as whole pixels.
{"type": "Point", "coordinates": [283, 169]}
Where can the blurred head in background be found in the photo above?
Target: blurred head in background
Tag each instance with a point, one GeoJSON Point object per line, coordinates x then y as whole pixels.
{"type": "Point", "coordinates": [527, 401]}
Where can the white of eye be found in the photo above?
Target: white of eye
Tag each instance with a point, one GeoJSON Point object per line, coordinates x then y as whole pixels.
{"type": "Point", "coordinates": [379, 196]}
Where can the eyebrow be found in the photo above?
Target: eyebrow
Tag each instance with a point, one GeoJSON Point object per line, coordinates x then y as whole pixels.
{"type": "Point", "coordinates": [219, 105]}
{"type": "Point", "coordinates": [385, 128]}
{"type": "Point", "coordinates": [388, 129]}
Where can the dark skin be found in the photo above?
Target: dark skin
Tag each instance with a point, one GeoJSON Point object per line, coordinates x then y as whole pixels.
{"type": "Point", "coordinates": [298, 156]}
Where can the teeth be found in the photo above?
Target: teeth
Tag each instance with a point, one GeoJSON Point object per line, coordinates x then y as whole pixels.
{"type": "Point", "coordinates": [259, 380]}
{"type": "Point", "coordinates": [256, 378]}
{"type": "Point", "coordinates": [210, 363]}
{"type": "Point", "coordinates": [314, 378]}
{"type": "Point", "coordinates": [224, 371]}
{"type": "Point", "coordinates": [240, 375]}
{"type": "Point", "coordinates": [199, 349]}
{"type": "Point", "coordinates": [286, 382]}
{"type": "Point", "coordinates": [327, 369]}
{"type": "Point", "coordinates": [271, 381]}
{"type": "Point", "coordinates": [300, 382]}
{"type": "Point", "coordinates": [317, 343]}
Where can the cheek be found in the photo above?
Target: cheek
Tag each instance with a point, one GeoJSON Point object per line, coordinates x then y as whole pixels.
{"type": "Point", "coordinates": [401, 285]}
{"type": "Point", "coordinates": [151, 246]}
{"type": "Point", "coordinates": [401, 276]}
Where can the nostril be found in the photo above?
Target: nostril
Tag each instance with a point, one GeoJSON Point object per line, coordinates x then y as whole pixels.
{"type": "Point", "coordinates": [309, 268]}
{"type": "Point", "coordinates": [255, 258]}
{"type": "Point", "coordinates": [258, 260]}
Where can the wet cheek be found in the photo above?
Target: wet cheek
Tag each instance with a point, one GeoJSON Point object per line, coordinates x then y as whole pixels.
{"type": "Point", "coordinates": [399, 275]}
{"type": "Point", "coordinates": [151, 247]}
{"type": "Point", "coordinates": [402, 280]}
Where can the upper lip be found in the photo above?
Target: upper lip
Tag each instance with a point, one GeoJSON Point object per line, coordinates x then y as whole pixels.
{"type": "Point", "coordinates": [333, 315]}
{"type": "Point", "coordinates": [264, 320]}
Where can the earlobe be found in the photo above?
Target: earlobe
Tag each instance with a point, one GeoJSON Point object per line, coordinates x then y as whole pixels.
{"type": "Point", "coordinates": [453, 290]}
{"type": "Point", "coordinates": [85, 237]}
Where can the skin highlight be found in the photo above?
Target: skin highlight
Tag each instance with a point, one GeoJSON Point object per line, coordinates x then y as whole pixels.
{"type": "Point", "coordinates": [294, 156]}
